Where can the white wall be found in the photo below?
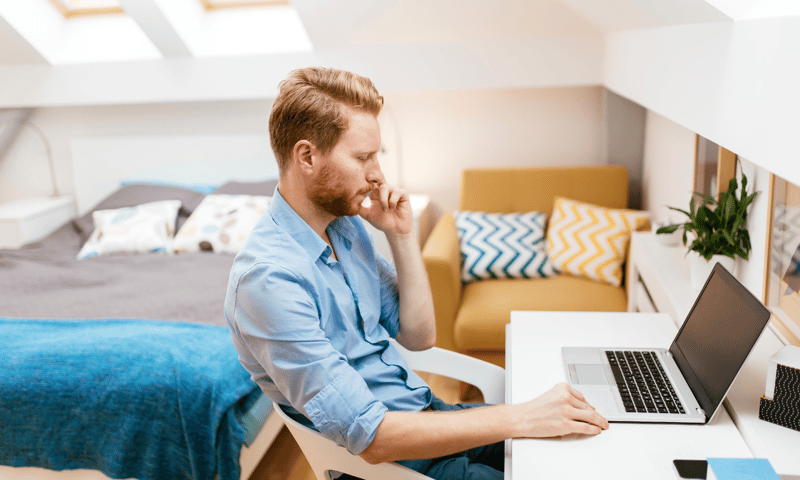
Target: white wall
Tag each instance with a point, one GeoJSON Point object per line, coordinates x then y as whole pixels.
{"type": "Point", "coordinates": [734, 83]}
{"type": "Point", "coordinates": [442, 133]}
{"type": "Point", "coordinates": [669, 151]}
{"type": "Point", "coordinates": [436, 134]}
{"type": "Point", "coordinates": [24, 171]}
{"type": "Point", "coordinates": [668, 174]}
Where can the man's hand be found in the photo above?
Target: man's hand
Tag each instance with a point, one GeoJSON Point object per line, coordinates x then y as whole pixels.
{"type": "Point", "coordinates": [389, 210]}
{"type": "Point", "coordinates": [560, 411]}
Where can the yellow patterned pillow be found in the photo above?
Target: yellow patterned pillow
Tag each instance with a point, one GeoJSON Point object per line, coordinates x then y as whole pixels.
{"type": "Point", "coordinates": [590, 241]}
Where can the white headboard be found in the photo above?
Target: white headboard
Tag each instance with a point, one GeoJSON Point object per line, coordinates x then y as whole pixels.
{"type": "Point", "coordinates": [100, 164]}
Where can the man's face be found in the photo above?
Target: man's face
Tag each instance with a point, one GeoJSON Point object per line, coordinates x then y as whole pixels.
{"type": "Point", "coordinates": [350, 171]}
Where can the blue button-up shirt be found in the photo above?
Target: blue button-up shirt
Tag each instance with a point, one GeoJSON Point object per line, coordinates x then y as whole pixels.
{"type": "Point", "coordinates": [313, 331]}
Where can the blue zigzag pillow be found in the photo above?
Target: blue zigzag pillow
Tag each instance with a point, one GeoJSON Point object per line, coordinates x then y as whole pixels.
{"type": "Point", "coordinates": [502, 245]}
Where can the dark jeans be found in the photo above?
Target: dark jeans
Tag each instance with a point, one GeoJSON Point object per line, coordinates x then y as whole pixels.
{"type": "Point", "coordinates": [482, 463]}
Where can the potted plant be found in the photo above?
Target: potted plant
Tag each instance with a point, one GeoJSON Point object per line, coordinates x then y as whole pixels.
{"type": "Point", "coordinates": [718, 228]}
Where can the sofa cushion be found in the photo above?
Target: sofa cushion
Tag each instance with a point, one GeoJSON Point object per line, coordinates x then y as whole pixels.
{"type": "Point", "coordinates": [589, 241]}
{"type": "Point", "coordinates": [502, 245]}
{"type": "Point", "coordinates": [486, 306]}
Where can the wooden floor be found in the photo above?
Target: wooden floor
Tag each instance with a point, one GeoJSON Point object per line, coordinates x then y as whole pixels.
{"type": "Point", "coordinates": [285, 461]}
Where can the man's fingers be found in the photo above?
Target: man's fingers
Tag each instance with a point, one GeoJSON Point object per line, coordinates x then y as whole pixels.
{"type": "Point", "coordinates": [590, 416]}
{"type": "Point", "coordinates": [383, 192]}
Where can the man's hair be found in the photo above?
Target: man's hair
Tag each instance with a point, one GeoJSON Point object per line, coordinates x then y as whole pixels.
{"type": "Point", "coordinates": [312, 105]}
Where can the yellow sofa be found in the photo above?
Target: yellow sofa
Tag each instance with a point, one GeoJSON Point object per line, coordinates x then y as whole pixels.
{"type": "Point", "coordinates": [471, 318]}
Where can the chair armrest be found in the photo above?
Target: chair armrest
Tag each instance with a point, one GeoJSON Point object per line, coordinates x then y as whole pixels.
{"type": "Point", "coordinates": [324, 455]}
{"type": "Point", "coordinates": [487, 377]}
{"type": "Point", "coordinates": [442, 257]}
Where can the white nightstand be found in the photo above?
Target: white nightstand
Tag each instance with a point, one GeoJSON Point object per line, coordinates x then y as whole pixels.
{"type": "Point", "coordinates": [31, 219]}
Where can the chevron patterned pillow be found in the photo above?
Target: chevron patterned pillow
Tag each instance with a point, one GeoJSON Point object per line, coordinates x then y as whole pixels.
{"type": "Point", "coordinates": [502, 245]}
{"type": "Point", "coordinates": [591, 241]}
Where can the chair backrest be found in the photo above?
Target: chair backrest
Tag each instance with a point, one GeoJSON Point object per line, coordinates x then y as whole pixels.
{"type": "Point", "coordinates": [505, 190]}
{"type": "Point", "coordinates": [326, 457]}
{"type": "Point", "coordinates": [486, 377]}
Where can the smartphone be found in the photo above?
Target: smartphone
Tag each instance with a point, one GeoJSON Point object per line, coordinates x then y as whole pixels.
{"type": "Point", "coordinates": [694, 469]}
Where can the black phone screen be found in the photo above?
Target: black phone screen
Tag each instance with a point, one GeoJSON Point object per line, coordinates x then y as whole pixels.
{"type": "Point", "coordinates": [695, 469]}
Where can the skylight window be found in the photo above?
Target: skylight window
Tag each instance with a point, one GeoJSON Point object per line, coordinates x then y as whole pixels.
{"type": "Point", "coordinates": [217, 4]}
{"type": "Point", "coordinates": [75, 8]}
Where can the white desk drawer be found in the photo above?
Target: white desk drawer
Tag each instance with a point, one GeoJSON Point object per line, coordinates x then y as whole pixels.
{"type": "Point", "coordinates": [643, 303]}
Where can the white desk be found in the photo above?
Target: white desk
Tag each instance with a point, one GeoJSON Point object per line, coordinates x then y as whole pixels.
{"type": "Point", "coordinates": [533, 366]}
{"type": "Point", "coordinates": [660, 276]}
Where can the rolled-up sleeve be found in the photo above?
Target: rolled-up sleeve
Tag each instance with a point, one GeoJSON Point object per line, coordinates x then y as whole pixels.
{"type": "Point", "coordinates": [278, 321]}
{"type": "Point", "coordinates": [341, 413]}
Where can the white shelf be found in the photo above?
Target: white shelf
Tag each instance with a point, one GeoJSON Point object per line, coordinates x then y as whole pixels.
{"type": "Point", "coordinates": [664, 272]}
{"type": "Point", "coordinates": [31, 219]}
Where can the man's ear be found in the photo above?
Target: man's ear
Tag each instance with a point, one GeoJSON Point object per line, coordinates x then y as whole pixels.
{"type": "Point", "coordinates": [303, 155]}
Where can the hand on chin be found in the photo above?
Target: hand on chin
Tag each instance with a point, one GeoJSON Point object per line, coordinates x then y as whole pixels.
{"type": "Point", "coordinates": [395, 219]}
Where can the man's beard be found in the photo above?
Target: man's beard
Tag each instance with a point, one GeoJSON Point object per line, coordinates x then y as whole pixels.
{"type": "Point", "coordinates": [329, 195]}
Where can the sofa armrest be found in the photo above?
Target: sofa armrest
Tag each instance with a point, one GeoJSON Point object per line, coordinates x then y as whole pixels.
{"type": "Point", "coordinates": [442, 257]}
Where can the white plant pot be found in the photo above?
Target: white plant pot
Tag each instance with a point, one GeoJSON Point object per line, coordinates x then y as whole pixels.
{"type": "Point", "coordinates": [700, 268]}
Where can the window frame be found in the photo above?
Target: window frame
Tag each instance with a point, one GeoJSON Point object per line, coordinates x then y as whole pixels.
{"type": "Point", "coordinates": [70, 11]}
{"type": "Point", "coordinates": [211, 5]}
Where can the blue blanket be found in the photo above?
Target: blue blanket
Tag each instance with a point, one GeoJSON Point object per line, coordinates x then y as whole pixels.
{"type": "Point", "coordinates": [131, 398]}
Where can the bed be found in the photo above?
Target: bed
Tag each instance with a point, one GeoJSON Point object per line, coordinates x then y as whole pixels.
{"type": "Point", "coordinates": [121, 364]}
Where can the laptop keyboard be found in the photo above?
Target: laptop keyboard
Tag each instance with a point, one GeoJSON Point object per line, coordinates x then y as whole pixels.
{"type": "Point", "coordinates": [642, 382]}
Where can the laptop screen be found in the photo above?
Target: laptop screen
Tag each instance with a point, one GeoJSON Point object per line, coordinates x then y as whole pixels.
{"type": "Point", "coordinates": [718, 334]}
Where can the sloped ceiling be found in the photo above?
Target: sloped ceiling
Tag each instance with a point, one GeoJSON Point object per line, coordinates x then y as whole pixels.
{"type": "Point", "coordinates": [616, 15]}
{"type": "Point", "coordinates": [342, 23]}
{"type": "Point", "coordinates": [15, 49]}
{"type": "Point", "coordinates": [403, 44]}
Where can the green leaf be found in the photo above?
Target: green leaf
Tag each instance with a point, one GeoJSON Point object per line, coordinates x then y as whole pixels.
{"type": "Point", "coordinates": [682, 211]}
{"type": "Point", "coordinates": [732, 186]}
{"type": "Point", "coordinates": [668, 229]}
{"type": "Point", "coordinates": [707, 199]}
{"type": "Point", "coordinates": [728, 237]}
{"type": "Point", "coordinates": [728, 209]}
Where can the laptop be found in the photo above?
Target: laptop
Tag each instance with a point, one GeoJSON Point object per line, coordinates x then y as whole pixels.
{"type": "Point", "coordinates": [685, 383]}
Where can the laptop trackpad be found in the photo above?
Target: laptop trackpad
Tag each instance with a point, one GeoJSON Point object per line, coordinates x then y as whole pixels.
{"type": "Point", "coordinates": [590, 374]}
{"type": "Point", "coordinates": [601, 398]}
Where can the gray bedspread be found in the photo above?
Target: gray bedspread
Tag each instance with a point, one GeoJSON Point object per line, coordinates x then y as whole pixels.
{"type": "Point", "coordinates": [44, 280]}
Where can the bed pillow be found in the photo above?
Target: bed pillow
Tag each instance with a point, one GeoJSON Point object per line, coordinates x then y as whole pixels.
{"type": "Point", "coordinates": [146, 228]}
{"type": "Point", "coordinates": [264, 188]}
{"type": "Point", "coordinates": [502, 245]}
{"type": "Point", "coordinates": [221, 223]}
{"type": "Point", "coordinates": [132, 195]}
{"type": "Point", "coordinates": [590, 241]}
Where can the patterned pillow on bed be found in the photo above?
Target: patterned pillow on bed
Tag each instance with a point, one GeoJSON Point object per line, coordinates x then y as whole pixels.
{"type": "Point", "coordinates": [133, 195]}
{"type": "Point", "coordinates": [145, 228]}
{"type": "Point", "coordinates": [221, 223]}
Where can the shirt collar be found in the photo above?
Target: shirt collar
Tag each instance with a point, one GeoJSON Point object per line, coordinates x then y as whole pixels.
{"type": "Point", "coordinates": [285, 216]}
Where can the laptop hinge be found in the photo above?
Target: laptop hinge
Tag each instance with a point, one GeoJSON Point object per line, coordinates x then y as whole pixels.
{"type": "Point", "coordinates": [701, 412]}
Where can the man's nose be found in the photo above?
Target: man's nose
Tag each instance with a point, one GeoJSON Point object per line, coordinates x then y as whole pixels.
{"type": "Point", "coordinates": [375, 175]}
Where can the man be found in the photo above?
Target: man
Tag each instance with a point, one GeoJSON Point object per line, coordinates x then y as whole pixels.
{"type": "Point", "coordinates": [311, 305]}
